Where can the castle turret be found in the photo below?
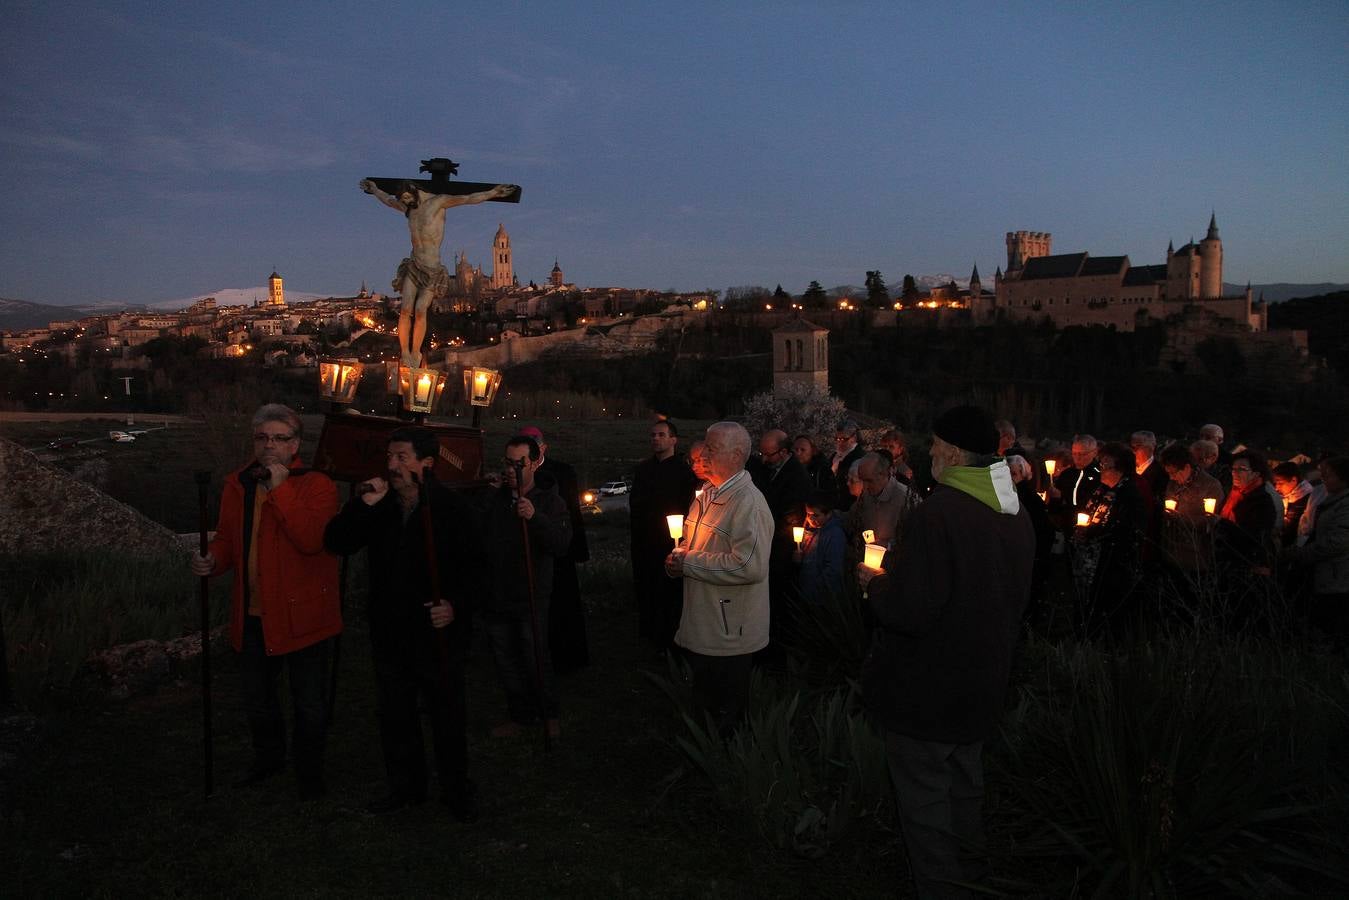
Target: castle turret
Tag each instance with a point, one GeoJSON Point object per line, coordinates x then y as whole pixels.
{"type": "Point", "coordinates": [1211, 262]}
{"type": "Point", "coordinates": [976, 288]}
{"type": "Point", "coordinates": [555, 276]}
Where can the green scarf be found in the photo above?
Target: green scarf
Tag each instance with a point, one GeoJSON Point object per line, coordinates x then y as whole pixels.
{"type": "Point", "coordinates": [990, 485]}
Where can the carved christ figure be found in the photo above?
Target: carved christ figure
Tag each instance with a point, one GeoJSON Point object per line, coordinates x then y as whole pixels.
{"type": "Point", "coordinates": [422, 277]}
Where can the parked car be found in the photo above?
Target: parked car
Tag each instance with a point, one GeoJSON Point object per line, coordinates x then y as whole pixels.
{"type": "Point", "coordinates": [613, 488]}
{"type": "Point", "coordinates": [64, 443]}
{"type": "Point", "coordinates": [121, 437]}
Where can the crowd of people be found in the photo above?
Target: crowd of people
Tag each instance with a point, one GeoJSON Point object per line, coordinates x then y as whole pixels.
{"type": "Point", "coordinates": [730, 544]}
{"type": "Point", "coordinates": [948, 570]}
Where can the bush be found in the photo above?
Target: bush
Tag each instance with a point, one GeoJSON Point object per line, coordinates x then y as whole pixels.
{"type": "Point", "coordinates": [798, 773]}
{"type": "Point", "coordinates": [1180, 768]}
{"type": "Point", "coordinates": [796, 409]}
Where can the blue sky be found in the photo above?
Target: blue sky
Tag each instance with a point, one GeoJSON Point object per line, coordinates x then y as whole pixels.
{"type": "Point", "coordinates": [156, 151]}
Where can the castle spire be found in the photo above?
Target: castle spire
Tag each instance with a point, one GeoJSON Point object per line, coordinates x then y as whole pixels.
{"type": "Point", "coordinates": [974, 276]}
{"type": "Point", "coordinates": [1212, 226]}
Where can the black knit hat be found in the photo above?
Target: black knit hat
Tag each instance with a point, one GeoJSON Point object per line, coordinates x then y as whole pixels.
{"type": "Point", "coordinates": [969, 428]}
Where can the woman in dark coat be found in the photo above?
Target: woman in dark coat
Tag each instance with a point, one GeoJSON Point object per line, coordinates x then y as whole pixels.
{"type": "Point", "coordinates": [1106, 546]}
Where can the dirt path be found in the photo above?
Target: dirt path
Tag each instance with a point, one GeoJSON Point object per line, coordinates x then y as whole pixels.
{"type": "Point", "coordinates": [142, 418]}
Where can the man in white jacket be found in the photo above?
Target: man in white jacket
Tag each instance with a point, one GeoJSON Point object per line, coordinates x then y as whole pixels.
{"type": "Point", "coordinates": [723, 559]}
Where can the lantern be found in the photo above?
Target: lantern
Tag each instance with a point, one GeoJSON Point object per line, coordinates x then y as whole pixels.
{"type": "Point", "coordinates": [480, 385]}
{"type": "Point", "coordinates": [676, 526]}
{"type": "Point", "coordinates": [338, 379]}
{"type": "Point", "coordinates": [421, 388]}
{"type": "Point", "coordinates": [1210, 505]}
{"type": "Point", "coordinates": [875, 555]}
{"type": "Point", "coordinates": [798, 534]}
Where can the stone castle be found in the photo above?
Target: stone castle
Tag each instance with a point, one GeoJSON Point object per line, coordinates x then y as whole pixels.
{"type": "Point", "coordinates": [1080, 289]}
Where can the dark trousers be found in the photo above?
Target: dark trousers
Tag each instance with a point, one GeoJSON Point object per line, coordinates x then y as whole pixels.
{"type": "Point", "coordinates": [660, 602]}
{"type": "Point", "coordinates": [940, 793]}
{"type": "Point", "coordinates": [721, 688]}
{"type": "Point", "coordinates": [511, 637]}
{"type": "Point", "coordinates": [566, 619]}
{"type": "Point", "coordinates": [259, 673]}
{"type": "Point", "coordinates": [409, 677]}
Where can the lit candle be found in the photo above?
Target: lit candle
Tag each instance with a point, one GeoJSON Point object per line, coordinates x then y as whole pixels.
{"type": "Point", "coordinates": [1210, 505]}
{"type": "Point", "coordinates": [868, 536]}
{"type": "Point", "coordinates": [588, 497]}
{"type": "Point", "coordinates": [676, 523]}
{"type": "Point", "coordinates": [480, 384]}
{"type": "Point", "coordinates": [423, 388]}
{"type": "Point", "coordinates": [1044, 496]}
{"type": "Point", "coordinates": [1171, 504]}
{"type": "Point", "coordinates": [1050, 466]}
{"type": "Point", "coordinates": [798, 533]}
{"type": "Point", "coordinates": [1083, 519]}
{"type": "Point", "coordinates": [875, 555]}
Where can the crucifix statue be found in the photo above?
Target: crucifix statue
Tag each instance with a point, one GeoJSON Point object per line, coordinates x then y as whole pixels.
{"type": "Point", "coordinates": [422, 277]}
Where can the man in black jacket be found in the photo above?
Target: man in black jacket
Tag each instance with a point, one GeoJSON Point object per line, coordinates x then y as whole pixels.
{"type": "Point", "coordinates": [783, 481]}
{"type": "Point", "coordinates": [948, 605]}
{"type": "Point", "coordinates": [663, 486]}
{"type": "Point", "coordinates": [567, 640]}
{"type": "Point", "coordinates": [527, 528]}
{"type": "Point", "coordinates": [417, 634]}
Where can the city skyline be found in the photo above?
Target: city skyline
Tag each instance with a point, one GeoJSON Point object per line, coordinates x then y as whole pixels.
{"type": "Point", "coordinates": [694, 148]}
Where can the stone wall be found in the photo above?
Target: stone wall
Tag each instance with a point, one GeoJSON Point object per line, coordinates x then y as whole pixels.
{"type": "Point", "coordinates": [42, 510]}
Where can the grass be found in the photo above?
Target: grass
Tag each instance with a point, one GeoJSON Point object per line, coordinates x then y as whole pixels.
{"type": "Point", "coordinates": [109, 802]}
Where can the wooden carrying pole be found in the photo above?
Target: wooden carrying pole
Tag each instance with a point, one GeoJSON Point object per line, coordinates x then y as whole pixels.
{"type": "Point", "coordinates": [203, 484]}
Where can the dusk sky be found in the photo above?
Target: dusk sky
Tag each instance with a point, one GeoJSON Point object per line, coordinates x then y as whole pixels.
{"type": "Point", "coordinates": [159, 155]}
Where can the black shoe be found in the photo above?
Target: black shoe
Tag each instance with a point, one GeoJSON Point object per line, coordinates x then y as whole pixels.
{"type": "Point", "coordinates": [394, 802]}
{"type": "Point", "coordinates": [258, 773]}
{"type": "Point", "coordinates": [463, 804]}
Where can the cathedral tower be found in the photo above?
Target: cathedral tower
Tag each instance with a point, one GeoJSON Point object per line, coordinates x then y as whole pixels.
{"type": "Point", "coordinates": [502, 273]}
{"type": "Point", "coordinates": [555, 276]}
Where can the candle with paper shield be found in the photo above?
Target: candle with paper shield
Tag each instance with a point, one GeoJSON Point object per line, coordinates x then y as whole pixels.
{"type": "Point", "coordinates": [868, 537]}
{"type": "Point", "coordinates": [1170, 504]}
{"type": "Point", "coordinates": [875, 555]}
{"type": "Point", "coordinates": [798, 534]}
{"type": "Point", "coordinates": [1050, 466]}
{"type": "Point", "coordinates": [676, 524]}
{"type": "Point", "coordinates": [1083, 519]}
{"type": "Point", "coordinates": [1210, 505]}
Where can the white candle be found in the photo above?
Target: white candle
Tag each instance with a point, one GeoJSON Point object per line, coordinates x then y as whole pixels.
{"type": "Point", "coordinates": [875, 555]}
{"type": "Point", "coordinates": [676, 524]}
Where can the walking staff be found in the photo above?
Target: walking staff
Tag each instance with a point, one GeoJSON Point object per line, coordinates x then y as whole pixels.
{"type": "Point", "coordinates": [519, 466]}
{"type": "Point", "coordinates": [203, 485]}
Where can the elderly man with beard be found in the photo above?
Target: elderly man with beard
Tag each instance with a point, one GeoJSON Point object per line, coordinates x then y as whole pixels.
{"type": "Point", "coordinates": [284, 603]}
{"type": "Point", "coordinates": [948, 602]}
{"type": "Point", "coordinates": [417, 638]}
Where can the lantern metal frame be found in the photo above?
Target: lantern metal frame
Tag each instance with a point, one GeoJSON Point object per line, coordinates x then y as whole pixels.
{"type": "Point", "coordinates": [338, 379]}
{"type": "Point", "coordinates": [420, 388]}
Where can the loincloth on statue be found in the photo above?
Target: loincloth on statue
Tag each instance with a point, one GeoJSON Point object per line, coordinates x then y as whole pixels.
{"type": "Point", "coordinates": [436, 278]}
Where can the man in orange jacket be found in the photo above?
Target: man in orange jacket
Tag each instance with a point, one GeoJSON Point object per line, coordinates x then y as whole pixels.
{"type": "Point", "coordinates": [284, 604]}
